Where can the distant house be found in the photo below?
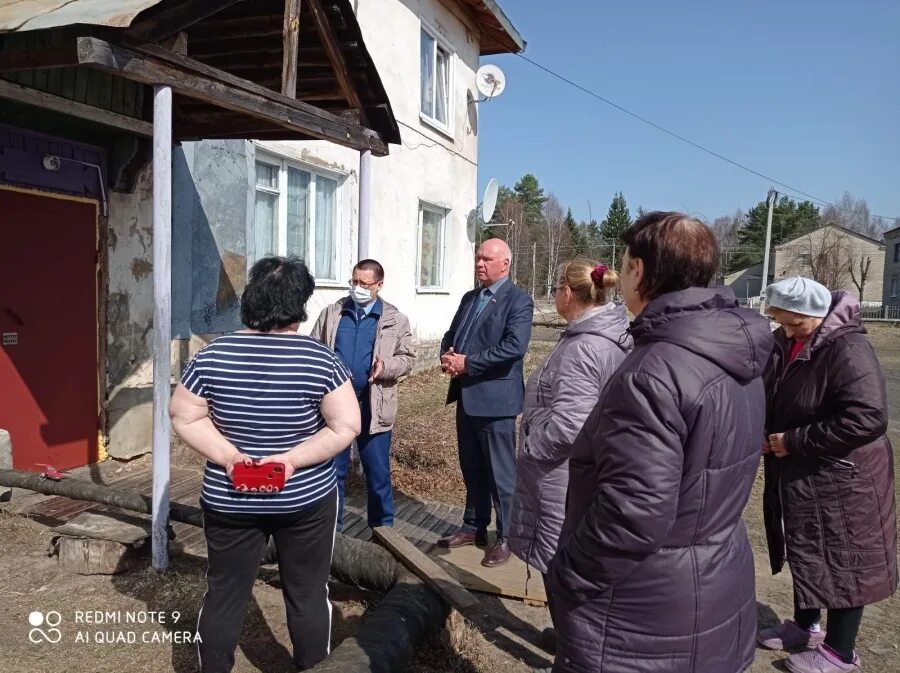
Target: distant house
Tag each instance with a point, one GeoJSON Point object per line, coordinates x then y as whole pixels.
{"type": "Point", "coordinates": [746, 283]}
{"type": "Point", "coordinates": [891, 288]}
{"type": "Point", "coordinates": [838, 258]}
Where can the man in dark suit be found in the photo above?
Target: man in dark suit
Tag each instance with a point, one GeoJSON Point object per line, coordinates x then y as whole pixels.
{"type": "Point", "coordinates": [483, 351]}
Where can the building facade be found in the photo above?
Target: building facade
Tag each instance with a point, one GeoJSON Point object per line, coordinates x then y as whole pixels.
{"type": "Point", "coordinates": [891, 280]}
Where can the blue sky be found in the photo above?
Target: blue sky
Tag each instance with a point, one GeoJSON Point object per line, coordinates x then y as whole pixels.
{"type": "Point", "coordinates": [806, 92]}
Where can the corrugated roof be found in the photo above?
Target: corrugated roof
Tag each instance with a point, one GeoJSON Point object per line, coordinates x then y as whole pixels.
{"type": "Point", "coordinates": [20, 15]}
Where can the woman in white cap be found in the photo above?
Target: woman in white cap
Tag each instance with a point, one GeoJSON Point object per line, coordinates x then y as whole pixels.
{"type": "Point", "coordinates": [829, 474]}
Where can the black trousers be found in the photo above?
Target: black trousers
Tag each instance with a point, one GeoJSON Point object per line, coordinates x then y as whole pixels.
{"type": "Point", "coordinates": [842, 629]}
{"type": "Point", "coordinates": [487, 457]}
{"type": "Point", "coordinates": [235, 543]}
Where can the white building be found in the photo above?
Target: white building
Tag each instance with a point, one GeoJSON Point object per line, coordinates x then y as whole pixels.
{"type": "Point", "coordinates": [422, 194]}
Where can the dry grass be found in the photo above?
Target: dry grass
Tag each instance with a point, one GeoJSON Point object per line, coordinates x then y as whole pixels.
{"type": "Point", "coordinates": [425, 461]}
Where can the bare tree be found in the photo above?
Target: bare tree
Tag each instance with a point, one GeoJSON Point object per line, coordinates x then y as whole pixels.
{"type": "Point", "coordinates": [825, 254]}
{"type": "Point", "coordinates": [853, 214]}
{"type": "Point", "coordinates": [512, 212]}
{"type": "Point", "coordinates": [556, 230]}
{"type": "Point", "coordinates": [859, 272]}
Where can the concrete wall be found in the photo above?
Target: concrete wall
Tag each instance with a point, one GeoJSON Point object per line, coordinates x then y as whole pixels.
{"type": "Point", "coordinates": [790, 259]}
{"type": "Point", "coordinates": [891, 269]}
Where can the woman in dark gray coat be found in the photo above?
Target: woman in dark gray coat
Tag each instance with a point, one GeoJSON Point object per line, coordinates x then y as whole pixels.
{"type": "Point", "coordinates": [829, 493]}
{"type": "Point", "coordinates": [559, 396]}
{"type": "Point", "coordinates": [654, 572]}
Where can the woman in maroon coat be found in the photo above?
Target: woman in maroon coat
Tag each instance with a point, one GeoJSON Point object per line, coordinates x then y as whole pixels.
{"type": "Point", "coordinates": [829, 491]}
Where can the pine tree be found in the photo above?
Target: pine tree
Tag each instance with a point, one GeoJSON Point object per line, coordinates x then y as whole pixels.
{"type": "Point", "coordinates": [575, 234]}
{"type": "Point", "coordinates": [618, 219]}
{"type": "Point", "coordinates": [532, 196]}
{"type": "Point", "coordinates": [790, 220]}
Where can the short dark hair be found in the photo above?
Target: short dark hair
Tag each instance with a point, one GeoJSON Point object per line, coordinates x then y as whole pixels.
{"type": "Point", "coordinates": [276, 293]}
{"type": "Point", "coordinates": [371, 265]}
{"type": "Point", "coordinates": [678, 252]}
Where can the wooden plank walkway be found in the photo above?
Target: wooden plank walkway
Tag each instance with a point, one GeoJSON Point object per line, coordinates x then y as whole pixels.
{"type": "Point", "coordinates": [422, 523]}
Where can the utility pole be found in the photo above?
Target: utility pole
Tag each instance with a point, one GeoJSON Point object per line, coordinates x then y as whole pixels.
{"type": "Point", "coordinates": [533, 270]}
{"type": "Point", "coordinates": [765, 270]}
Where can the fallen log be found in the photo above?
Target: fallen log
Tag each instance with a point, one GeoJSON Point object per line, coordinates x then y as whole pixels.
{"type": "Point", "coordinates": [388, 638]}
{"type": "Point", "coordinates": [354, 562]}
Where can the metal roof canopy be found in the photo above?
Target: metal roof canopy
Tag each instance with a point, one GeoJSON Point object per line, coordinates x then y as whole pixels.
{"type": "Point", "coordinates": [225, 60]}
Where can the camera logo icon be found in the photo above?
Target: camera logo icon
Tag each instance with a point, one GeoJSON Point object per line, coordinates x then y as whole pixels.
{"type": "Point", "coordinates": [51, 620]}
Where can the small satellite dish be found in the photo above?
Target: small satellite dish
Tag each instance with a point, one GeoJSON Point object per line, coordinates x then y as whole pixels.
{"type": "Point", "coordinates": [489, 202]}
{"type": "Point", "coordinates": [490, 81]}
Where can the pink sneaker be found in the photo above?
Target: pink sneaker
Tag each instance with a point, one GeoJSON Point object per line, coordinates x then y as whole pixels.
{"type": "Point", "coordinates": [820, 660]}
{"type": "Point", "coordinates": [788, 636]}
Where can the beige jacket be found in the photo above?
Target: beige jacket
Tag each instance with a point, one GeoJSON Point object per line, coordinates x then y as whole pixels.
{"type": "Point", "coordinates": [393, 344]}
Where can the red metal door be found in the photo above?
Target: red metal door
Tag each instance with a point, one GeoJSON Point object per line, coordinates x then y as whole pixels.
{"type": "Point", "coordinates": [48, 319]}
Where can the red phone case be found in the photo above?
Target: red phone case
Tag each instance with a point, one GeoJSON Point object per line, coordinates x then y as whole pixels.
{"type": "Point", "coordinates": [268, 478]}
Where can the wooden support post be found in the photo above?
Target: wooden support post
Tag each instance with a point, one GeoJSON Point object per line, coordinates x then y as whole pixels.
{"type": "Point", "coordinates": [365, 204]}
{"type": "Point", "coordinates": [291, 41]}
{"type": "Point", "coordinates": [162, 319]}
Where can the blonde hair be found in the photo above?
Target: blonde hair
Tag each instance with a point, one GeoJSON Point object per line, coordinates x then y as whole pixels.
{"type": "Point", "coordinates": [579, 276]}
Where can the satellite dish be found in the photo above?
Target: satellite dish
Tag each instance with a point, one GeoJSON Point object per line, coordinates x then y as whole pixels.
{"type": "Point", "coordinates": [490, 81]}
{"type": "Point", "coordinates": [489, 202]}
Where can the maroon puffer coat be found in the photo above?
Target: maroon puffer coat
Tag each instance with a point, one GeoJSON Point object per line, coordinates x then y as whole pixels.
{"type": "Point", "coordinates": [834, 490]}
{"type": "Point", "coordinates": [654, 573]}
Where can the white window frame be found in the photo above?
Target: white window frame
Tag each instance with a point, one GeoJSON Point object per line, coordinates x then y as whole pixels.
{"type": "Point", "coordinates": [444, 212]}
{"type": "Point", "coordinates": [439, 42]}
{"type": "Point", "coordinates": [282, 164]}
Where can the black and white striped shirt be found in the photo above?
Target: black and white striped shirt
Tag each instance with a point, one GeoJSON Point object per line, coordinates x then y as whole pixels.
{"type": "Point", "coordinates": [264, 393]}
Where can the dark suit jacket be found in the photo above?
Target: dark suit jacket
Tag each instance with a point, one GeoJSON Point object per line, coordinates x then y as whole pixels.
{"type": "Point", "coordinates": [494, 385]}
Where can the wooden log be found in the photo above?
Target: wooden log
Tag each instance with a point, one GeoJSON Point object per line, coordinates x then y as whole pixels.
{"type": "Point", "coordinates": [193, 79]}
{"type": "Point", "coordinates": [86, 556]}
{"type": "Point", "coordinates": [290, 43]}
{"type": "Point", "coordinates": [436, 577]}
{"type": "Point", "coordinates": [24, 94]}
{"type": "Point", "coordinates": [173, 18]}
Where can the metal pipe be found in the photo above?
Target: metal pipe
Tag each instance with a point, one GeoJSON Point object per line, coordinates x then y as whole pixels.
{"type": "Point", "coordinates": [365, 204]}
{"type": "Point", "coordinates": [162, 320]}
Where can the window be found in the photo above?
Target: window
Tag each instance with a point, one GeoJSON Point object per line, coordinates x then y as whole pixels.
{"type": "Point", "coordinates": [894, 286]}
{"type": "Point", "coordinates": [296, 214]}
{"type": "Point", "coordinates": [432, 226]}
{"type": "Point", "coordinates": [897, 252]}
{"type": "Point", "coordinates": [436, 65]}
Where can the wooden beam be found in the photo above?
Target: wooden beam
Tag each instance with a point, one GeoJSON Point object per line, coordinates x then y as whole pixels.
{"type": "Point", "coordinates": [336, 56]}
{"type": "Point", "coordinates": [38, 59]}
{"type": "Point", "coordinates": [427, 570]}
{"type": "Point", "coordinates": [290, 42]}
{"type": "Point", "coordinates": [258, 26]}
{"type": "Point", "coordinates": [190, 78]}
{"type": "Point", "coordinates": [23, 94]}
{"type": "Point", "coordinates": [176, 17]}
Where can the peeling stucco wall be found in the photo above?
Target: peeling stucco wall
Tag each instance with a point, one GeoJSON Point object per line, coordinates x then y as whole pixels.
{"type": "Point", "coordinates": [130, 319]}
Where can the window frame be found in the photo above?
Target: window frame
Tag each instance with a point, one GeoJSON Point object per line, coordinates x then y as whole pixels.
{"type": "Point", "coordinates": [439, 43]}
{"type": "Point", "coordinates": [283, 163]}
{"type": "Point", "coordinates": [894, 283]}
{"type": "Point", "coordinates": [444, 212]}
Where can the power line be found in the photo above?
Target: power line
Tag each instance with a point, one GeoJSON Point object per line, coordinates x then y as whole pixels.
{"type": "Point", "coordinates": [431, 143]}
{"type": "Point", "coordinates": [690, 142]}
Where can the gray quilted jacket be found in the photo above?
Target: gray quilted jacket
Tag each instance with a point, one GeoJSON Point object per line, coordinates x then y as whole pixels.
{"type": "Point", "coordinates": [559, 396]}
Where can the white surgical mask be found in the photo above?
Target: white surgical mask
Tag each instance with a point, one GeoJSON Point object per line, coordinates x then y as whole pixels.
{"type": "Point", "coordinates": [360, 295]}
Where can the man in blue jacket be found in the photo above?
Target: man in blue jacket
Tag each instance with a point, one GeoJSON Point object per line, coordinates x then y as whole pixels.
{"type": "Point", "coordinates": [483, 351]}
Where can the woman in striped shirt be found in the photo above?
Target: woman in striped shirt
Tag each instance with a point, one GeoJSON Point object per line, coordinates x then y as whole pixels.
{"type": "Point", "coordinates": [268, 395]}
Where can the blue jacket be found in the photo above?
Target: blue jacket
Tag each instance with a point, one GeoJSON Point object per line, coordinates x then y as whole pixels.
{"type": "Point", "coordinates": [494, 385]}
